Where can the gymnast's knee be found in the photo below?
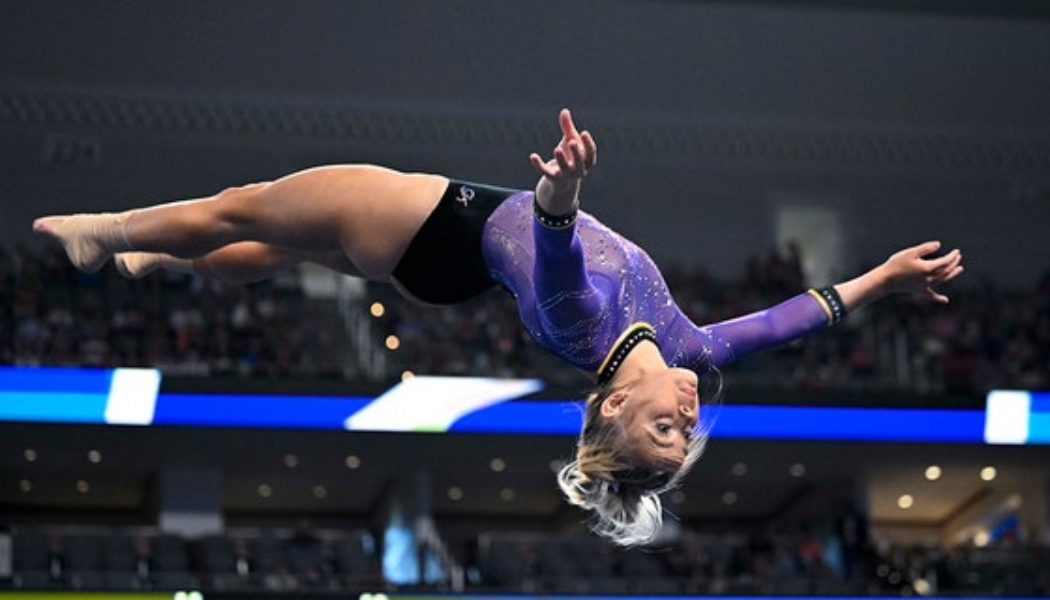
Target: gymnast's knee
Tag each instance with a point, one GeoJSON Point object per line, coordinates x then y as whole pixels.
{"type": "Point", "coordinates": [239, 205]}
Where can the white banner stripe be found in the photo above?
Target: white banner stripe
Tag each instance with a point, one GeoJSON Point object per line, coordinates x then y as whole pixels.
{"type": "Point", "coordinates": [132, 396]}
{"type": "Point", "coordinates": [1006, 417]}
{"type": "Point", "coordinates": [427, 403]}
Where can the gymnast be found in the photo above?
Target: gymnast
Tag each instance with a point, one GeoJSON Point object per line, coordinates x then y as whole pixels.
{"type": "Point", "coordinates": [583, 292]}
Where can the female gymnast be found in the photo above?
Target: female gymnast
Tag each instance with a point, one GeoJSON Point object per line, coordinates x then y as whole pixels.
{"type": "Point", "coordinates": [584, 292]}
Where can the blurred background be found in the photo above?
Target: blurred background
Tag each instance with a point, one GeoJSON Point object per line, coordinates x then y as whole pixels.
{"type": "Point", "coordinates": [754, 148]}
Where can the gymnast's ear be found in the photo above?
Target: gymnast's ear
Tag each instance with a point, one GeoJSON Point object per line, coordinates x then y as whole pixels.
{"type": "Point", "coordinates": [614, 404]}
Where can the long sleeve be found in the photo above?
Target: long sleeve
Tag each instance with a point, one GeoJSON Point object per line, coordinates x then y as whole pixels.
{"type": "Point", "coordinates": [736, 338]}
{"type": "Point", "coordinates": [565, 295]}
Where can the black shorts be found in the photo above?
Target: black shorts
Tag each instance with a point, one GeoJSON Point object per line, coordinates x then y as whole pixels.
{"type": "Point", "coordinates": [444, 264]}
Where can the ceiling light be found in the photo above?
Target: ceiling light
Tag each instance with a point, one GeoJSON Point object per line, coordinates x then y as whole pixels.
{"type": "Point", "coordinates": [406, 375]}
{"type": "Point", "coordinates": [981, 539]}
{"type": "Point", "coordinates": [506, 494]}
{"type": "Point", "coordinates": [377, 309]}
{"type": "Point", "coordinates": [95, 457]}
{"type": "Point", "coordinates": [906, 501]}
{"type": "Point", "coordinates": [797, 470]}
{"type": "Point", "coordinates": [291, 461]}
{"type": "Point", "coordinates": [497, 465]}
{"type": "Point", "coordinates": [265, 490]}
{"type": "Point", "coordinates": [556, 465]}
{"type": "Point", "coordinates": [988, 473]}
{"type": "Point", "coordinates": [352, 462]}
{"type": "Point", "coordinates": [933, 473]}
{"type": "Point", "coordinates": [454, 493]}
{"type": "Point", "coordinates": [30, 455]}
{"type": "Point", "coordinates": [25, 485]}
{"type": "Point", "coordinates": [392, 343]}
{"type": "Point", "coordinates": [83, 487]}
{"type": "Point", "coordinates": [320, 492]}
{"type": "Point", "coordinates": [678, 497]}
{"type": "Point", "coordinates": [739, 469]}
{"type": "Point", "coordinates": [729, 498]}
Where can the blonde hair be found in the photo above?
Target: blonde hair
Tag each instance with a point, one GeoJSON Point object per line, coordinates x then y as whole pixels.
{"type": "Point", "coordinates": [627, 511]}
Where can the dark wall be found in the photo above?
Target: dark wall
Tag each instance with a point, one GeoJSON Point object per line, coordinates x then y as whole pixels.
{"type": "Point", "coordinates": [690, 60]}
{"type": "Point", "coordinates": [710, 116]}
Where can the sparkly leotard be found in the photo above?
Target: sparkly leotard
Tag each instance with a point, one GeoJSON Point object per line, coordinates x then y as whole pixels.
{"type": "Point", "coordinates": [579, 288]}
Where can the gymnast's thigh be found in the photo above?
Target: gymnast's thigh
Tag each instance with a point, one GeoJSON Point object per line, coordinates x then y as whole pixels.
{"type": "Point", "coordinates": [370, 213]}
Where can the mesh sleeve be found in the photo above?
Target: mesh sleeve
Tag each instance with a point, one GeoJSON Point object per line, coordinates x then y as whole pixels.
{"type": "Point", "coordinates": [736, 338]}
{"type": "Point", "coordinates": [565, 296]}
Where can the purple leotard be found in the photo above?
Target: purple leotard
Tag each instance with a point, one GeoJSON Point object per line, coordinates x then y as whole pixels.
{"type": "Point", "coordinates": [580, 287]}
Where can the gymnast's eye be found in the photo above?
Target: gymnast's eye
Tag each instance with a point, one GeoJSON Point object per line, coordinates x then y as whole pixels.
{"type": "Point", "coordinates": [663, 427]}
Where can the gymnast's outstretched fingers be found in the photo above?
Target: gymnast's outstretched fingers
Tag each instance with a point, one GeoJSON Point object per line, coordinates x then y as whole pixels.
{"type": "Point", "coordinates": [912, 270]}
{"type": "Point", "coordinates": [574, 155]}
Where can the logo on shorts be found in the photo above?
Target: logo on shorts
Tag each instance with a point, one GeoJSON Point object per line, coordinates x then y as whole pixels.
{"type": "Point", "coordinates": [465, 195]}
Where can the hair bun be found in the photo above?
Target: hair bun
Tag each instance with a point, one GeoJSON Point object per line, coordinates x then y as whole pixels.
{"type": "Point", "coordinates": [625, 515]}
{"type": "Point", "coordinates": [578, 487]}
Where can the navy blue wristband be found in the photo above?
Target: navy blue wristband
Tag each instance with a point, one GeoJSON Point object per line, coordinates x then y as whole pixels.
{"type": "Point", "coordinates": [555, 222]}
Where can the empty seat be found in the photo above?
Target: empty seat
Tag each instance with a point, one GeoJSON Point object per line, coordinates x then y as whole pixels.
{"type": "Point", "coordinates": [638, 565]}
{"type": "Point", "coordinates": [82, 561]}
{"type": "Point", "coordinates": [217, 558]}
{"type": "Point", "coordinates": [216, 555]}
{"type": "Point", "coordinates": [169, 563]}
{"type": "Point", "coordinates": [351, 559]}
{"type": "Point", "coordinates": [655, 586]}
{"type": "Point", "coordinates": [31, 564]}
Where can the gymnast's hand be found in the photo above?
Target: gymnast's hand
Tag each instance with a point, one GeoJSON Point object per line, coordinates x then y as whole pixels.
{"type": "Point", "coordinates": [911, 270]}
{"type": "Point", "coordinates": [574, 156]}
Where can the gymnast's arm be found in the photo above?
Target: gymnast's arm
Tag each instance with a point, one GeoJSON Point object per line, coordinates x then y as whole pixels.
{"type": "Point", "coordinates": [906, 271]}
{"type": "Point", "coordinates": [575, 155]}
{"type": "Point", "coordinates": [563, 290]}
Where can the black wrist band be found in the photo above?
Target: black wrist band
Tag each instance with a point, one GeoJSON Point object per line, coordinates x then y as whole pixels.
{"type": "Point", "coordinates": [835, 304]}
{"type": "Point", "coordinates": [555, 222]}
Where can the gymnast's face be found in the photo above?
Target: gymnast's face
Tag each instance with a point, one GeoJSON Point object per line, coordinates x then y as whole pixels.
{"type": "Point", "coordinates": [657, 414]}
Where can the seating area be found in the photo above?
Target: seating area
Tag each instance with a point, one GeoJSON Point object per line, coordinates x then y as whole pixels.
{"type": "Point", "coordinates": [732, 564]}
{"type": "Point", "coordinates": [988, 338]}
{"type": "Point", "coordinates": [50, 314]}
{"type": "Point", "coordinates": [818, 562]}
{"type": "Point", "coordinates": [795, 563]}
{"type": "Point", "coordinates": [91, 558]}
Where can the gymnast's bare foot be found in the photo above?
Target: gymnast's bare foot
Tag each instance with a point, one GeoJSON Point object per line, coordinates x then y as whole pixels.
{"type": "Point", "coordinates": [89, 240]}
{"type": "Point", "coordinates": [136, 265]}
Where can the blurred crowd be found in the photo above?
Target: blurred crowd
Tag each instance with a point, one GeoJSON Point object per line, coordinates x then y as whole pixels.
{"type": "Point", "coordinates": [988, 337]}
{"type": "Point", "coordinates": [50, 314]}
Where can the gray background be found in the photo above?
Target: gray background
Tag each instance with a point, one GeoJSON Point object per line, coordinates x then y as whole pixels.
{"type": "Point", "coordinates": [710, 117]}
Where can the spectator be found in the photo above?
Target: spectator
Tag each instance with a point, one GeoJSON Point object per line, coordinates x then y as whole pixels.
{"type": "Point", "coordinates": [49, 314]}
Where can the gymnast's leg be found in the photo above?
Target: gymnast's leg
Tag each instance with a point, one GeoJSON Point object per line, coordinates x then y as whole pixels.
{"type": "Point", "coordinates": [369, 213]}
{"type": "Point", "coordinates": [242, 262]}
